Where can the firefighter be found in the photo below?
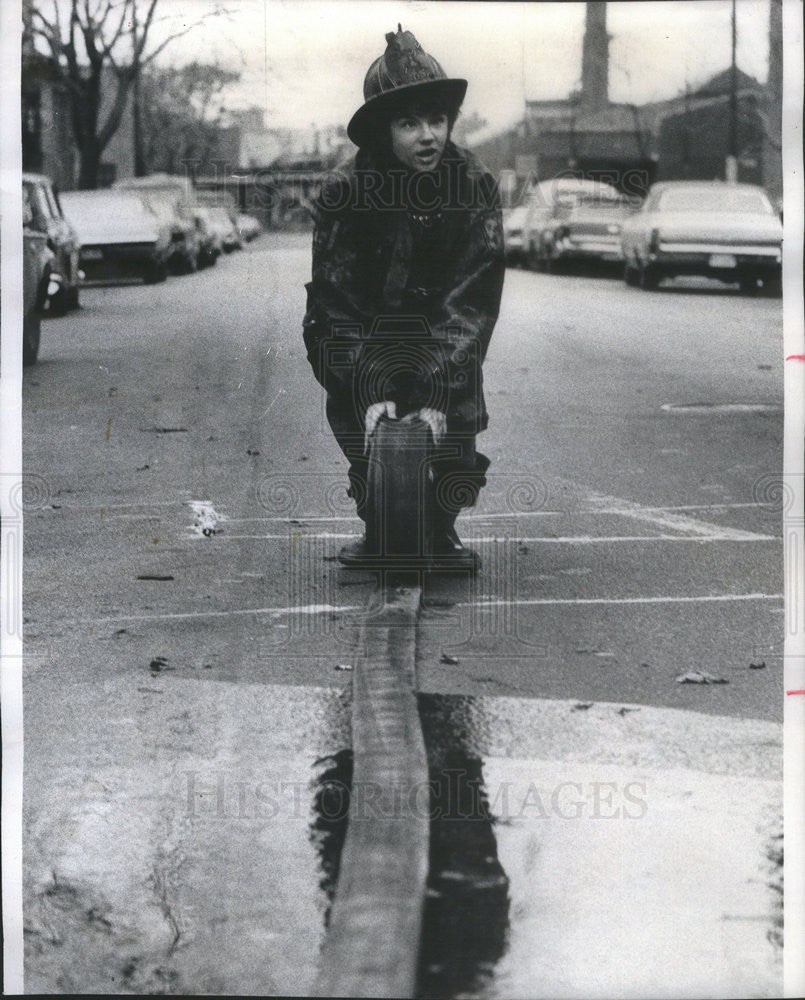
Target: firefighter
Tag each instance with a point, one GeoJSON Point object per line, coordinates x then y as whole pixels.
{"type": "Point", "coordinates": [406, 284]}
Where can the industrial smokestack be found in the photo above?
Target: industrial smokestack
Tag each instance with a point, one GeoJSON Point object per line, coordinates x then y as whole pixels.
{"type": "Point", "coordinates": [595, 58]}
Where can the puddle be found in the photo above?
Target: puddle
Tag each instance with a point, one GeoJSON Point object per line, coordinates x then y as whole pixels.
{"type": "Point", "coordinates": [466, 917]}
{"type": "Point", "coordinates": [523, 792]}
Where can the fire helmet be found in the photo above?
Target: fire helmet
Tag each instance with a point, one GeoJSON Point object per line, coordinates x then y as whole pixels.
{"type": "Point", "coordinates": [404, 72]}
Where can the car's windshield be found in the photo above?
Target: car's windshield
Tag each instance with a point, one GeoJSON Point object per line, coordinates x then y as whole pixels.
{"type": "Point", "coordinates": [161, 209]}
{"type": "Point", "coordinates": [715, 199]}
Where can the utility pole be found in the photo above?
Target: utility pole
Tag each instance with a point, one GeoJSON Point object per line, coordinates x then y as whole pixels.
{"type": "Point", "coordinates": [731, 166]}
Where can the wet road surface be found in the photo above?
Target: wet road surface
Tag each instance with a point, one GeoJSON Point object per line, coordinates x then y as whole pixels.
{"type": "Point", "coordinates": [185, 616]}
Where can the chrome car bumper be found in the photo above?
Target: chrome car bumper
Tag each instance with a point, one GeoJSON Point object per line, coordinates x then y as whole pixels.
{"type": "Point", "coordinates": [717, 259]}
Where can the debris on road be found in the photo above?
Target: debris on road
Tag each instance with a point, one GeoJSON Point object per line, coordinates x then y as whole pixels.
{"type": "Point", "coordinates": [159, 663]}
{"type": "Point", "coordinates": [252, 451]}
{"type": "Point", "coordinates": [758, 666]}
{"type": "Point", "coordinates": [700, 677]}
{"type": "Point", "coordinates": [447, 658]}
{"type": "Point", "coordinates": [624, 710]}
{"type": "Point", "coordinates": [153, 576]}
{"type": "Point", "coordinates": [581, 706]}
{"type": "Point", "coordinates": [343, 666]}
{"type": "Point", "coordinates": [206, 519]}
{"type": "Point", "coordinates": [163, 430]}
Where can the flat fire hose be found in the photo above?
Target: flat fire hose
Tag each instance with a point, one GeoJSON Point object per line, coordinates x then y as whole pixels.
{"type": "Point", "coordinates": [372, 944]}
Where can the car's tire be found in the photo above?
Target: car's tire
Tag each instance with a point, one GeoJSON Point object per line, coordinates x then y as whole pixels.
{"type": "Point", "coordinates": [532, 258]}
{"type": "Point", "coordinates": [154, 272]}
{"type": "Point", "coordinates": [31, 330]}
{"type": "Point", "coordinates": [649, 277]}
{"type": "Point", "coordinates": [553, 265]}
{"type": "Point", "coordinates": [72, 298]}
{"type": "Point", "coordinates": [748, 285]}
{"type": "Point", "coordinates": [773, 286]}
{"type": "Point", "coordinates": [58, 304]}
{"type": "Point", "coordinates": [631, 275]}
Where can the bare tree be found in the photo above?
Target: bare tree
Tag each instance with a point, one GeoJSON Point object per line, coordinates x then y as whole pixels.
{"type": "Point", "coordinates": [182, 114]}
{"type": "Point", "coordinates": [97, 50]}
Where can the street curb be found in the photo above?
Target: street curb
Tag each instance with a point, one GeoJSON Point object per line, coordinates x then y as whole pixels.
{"type": "Point", "coordinates": [372, 943]}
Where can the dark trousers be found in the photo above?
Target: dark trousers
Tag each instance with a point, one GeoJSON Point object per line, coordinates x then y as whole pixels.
{"type": "Point", "coordinates": [459, 470]}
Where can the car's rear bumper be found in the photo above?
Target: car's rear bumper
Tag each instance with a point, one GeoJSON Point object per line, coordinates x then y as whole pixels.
{"type": "Point", "coordinates": [116, 262]}
{"type": "Point", "coordinates": [588, 249]}
{"type": "Point", "coordinates": [717, 260]}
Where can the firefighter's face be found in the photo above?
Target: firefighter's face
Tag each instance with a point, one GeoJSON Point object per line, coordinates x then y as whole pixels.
{"type": "Point", "coordinates": [418, 138]}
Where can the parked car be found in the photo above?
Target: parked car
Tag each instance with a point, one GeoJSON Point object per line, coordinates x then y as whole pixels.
{"type": "Point", "coordinates": [585, 229]}
{"type": "Point", "coordinates": [47, 217]}
{"type": "Point", "coordinates": [223, 225]}
{"type": "Point", "coordinates": [248, 227]}
{"type": "Point", "coordinates": [543, 198]}
{"type": "Point", "coordinates": [120, 237]}
{"type": "Point", "coordinates": [173, 201]}
{"type": "Point", "coordinates": [729, 232]}
{"type": "Point", "coordinates": [513, 222]}
{"type": "Point", "coordinates": [37, 282]}
{"type": "Point", "coordinates": [209, 239]}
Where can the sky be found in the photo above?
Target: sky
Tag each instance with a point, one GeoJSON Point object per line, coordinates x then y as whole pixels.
{"type": "Point", "coordinates": [304, 61]}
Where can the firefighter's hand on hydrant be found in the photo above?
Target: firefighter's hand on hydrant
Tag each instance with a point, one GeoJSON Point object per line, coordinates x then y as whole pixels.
{"type": "Point", "coordinates": [437, 422]}
{"type": "Point", "coordinates": [373, 414]}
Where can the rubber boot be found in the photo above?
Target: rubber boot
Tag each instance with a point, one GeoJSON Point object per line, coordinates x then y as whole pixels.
{"type": "Point", "coordinates": [449, 552]}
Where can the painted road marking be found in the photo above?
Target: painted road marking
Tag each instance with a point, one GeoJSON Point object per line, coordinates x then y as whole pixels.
{"type": "Point", "coordinates": [704, 599]}
{"type": "Point", "coordinates": [664, 519]}
{"type": "Point", "coordinates": [489, 516]}
{"type": "Point", "coordinates": [319, 609]}
{"type": "Point", "coordinates": [742, 536]}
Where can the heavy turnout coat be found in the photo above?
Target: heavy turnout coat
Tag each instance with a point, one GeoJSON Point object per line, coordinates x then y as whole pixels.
{"type": "Point", "coordinates": [406, 257]}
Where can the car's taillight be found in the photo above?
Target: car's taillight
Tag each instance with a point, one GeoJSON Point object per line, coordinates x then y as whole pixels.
{"type": "Point", "coordinates": [654, 242]}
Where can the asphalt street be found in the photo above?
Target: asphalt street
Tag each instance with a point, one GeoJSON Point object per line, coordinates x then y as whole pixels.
{"type": "Point", "coordinates": [186, 501]}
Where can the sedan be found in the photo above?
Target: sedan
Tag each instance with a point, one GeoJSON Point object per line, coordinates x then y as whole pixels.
{"type": "Point", "coordinates": [37, 283]}
{"type": "Point", "coordinates": [221, 223]}
{"type": "Point", "coordinates": [209, 241]}
{"type": "Point", "coordinates": [587, 229]}
{"type": "Point", "coordinates": [172, 200]}
{"type": "Point", "coordinates": [725, 231]}
{"type": "Point", "coordinates": [48, 217]}
{"type": "Point", "coordinates": [542, 201]}
{"type": "Point", "coordinates": [248, 227]}
{"type": "Point", "coordinates": [120, 238]}
{"type": "Point", "coordinates": [513, 222]}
